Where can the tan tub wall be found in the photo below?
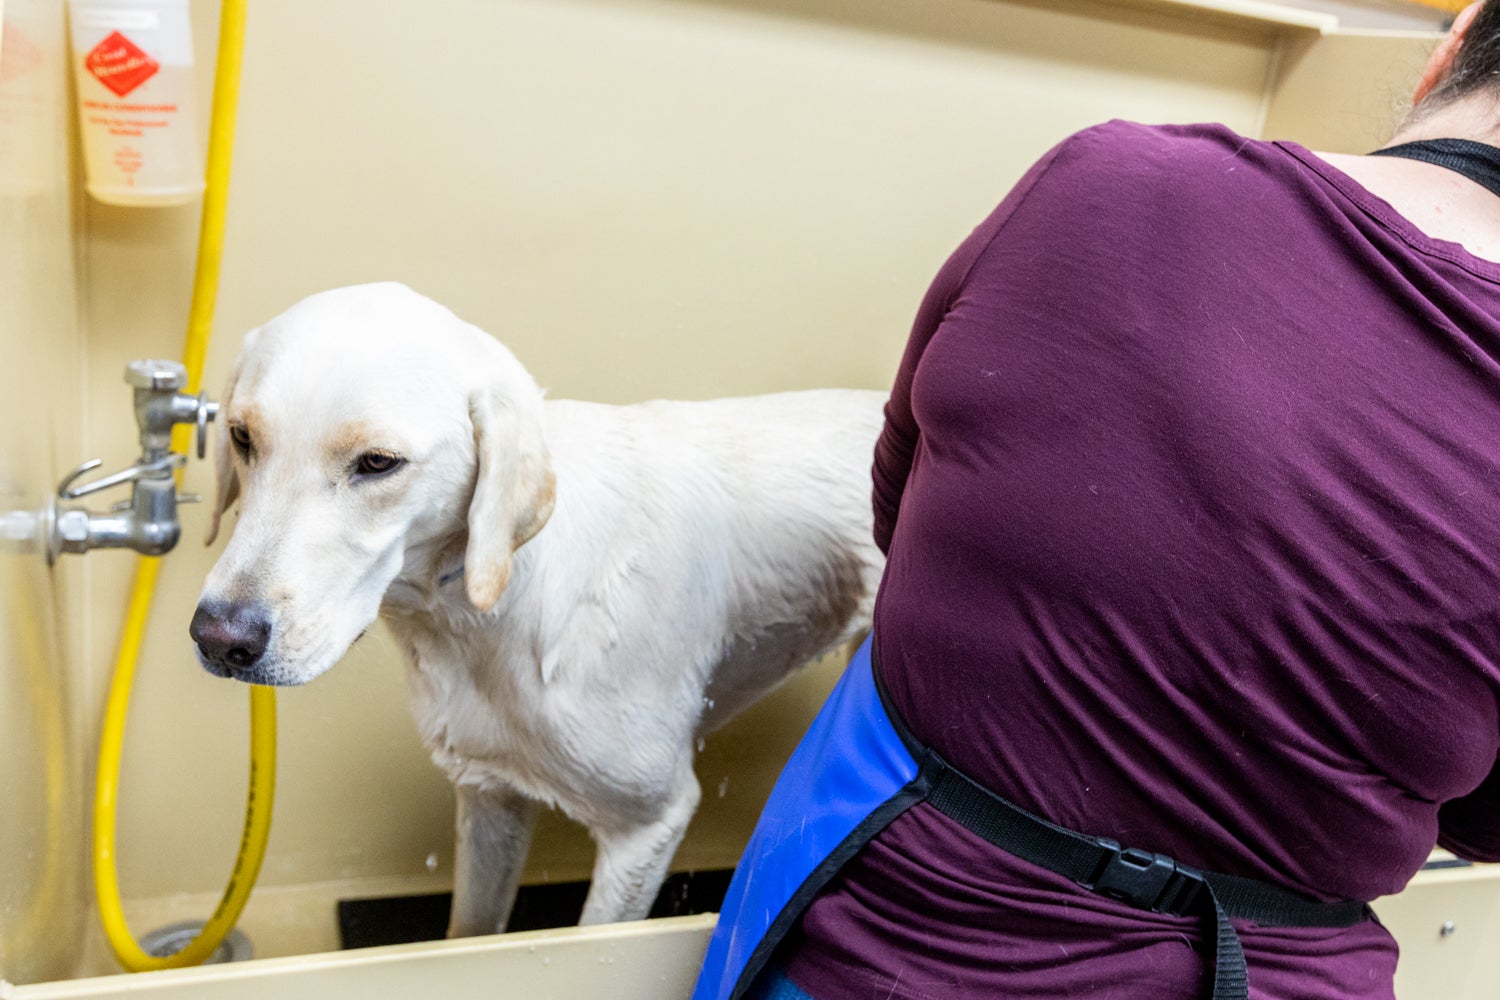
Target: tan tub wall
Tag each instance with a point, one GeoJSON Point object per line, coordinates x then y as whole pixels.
{"type": "Point", "coordinates": [1312, 102]}
{"type": "Point", "coordinates": [42, 741]}
{"type": "Point", "coordinates": [642, 198]}
{"type": "Point", "coordinates": [647, 960]}
{"type": "Point", "coordinates": [1444, 921]}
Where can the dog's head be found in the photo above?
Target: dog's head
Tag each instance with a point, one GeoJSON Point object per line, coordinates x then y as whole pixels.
{"type": "Point", "coordinates": [362, 428]}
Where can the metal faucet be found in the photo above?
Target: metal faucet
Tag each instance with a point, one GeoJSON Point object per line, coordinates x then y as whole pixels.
{"type": "Point", "coordinates": [147, 522]}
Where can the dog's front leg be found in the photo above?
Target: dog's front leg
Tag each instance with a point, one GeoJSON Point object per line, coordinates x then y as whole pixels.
{"type": "Point", "coordinates": [494, 829]}
{"type": "Point", "coordinates": [632, 861]}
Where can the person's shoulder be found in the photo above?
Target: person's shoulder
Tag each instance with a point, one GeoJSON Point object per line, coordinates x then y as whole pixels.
{"type": "Point", "coordinates": [1164, 168]}
{"type": "Point", "coordinates": [1129, 144]}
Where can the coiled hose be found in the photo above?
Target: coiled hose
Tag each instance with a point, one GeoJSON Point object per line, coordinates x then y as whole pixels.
{"type": "Point", "coordinates": [262, 700]}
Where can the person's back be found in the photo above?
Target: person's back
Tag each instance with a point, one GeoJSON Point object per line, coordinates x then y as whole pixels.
{"type": "Point", "coordinates": [1196, 552]}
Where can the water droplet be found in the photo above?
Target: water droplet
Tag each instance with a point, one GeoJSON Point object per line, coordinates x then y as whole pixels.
{"type": "Point", "coordinates": [700, 744]}
{"type": "Point", "coordinates": [723, 786]}
{"type": "Point", "coordinates": [432, 862]}
{"type": "Point", "coordinates": [546, 959]}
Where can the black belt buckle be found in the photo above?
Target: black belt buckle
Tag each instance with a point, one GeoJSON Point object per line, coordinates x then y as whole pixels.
{"type": "Point", "coordinates": [1145, 880]}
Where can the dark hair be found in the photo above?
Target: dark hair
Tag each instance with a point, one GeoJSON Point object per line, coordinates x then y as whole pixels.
{"type": "Point", "coordinates": [1476, 64]}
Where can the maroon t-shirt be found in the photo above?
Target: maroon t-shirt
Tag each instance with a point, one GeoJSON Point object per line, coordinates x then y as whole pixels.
{"type": "Point", "coordinates": [1190, 484]}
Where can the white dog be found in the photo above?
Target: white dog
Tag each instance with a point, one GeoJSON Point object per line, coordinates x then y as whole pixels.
{"type": "Point", "coordinates": [580, 590]}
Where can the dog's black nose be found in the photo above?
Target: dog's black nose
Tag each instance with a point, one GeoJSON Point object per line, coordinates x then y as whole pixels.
{"type": "Point", "coordinates": [231, 636]}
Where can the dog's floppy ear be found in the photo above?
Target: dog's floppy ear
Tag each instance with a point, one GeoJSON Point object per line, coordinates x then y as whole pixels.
{"type": "Point", "coordinates": [515, 489]}
{"type": "Point", "coordinates": [227, 481]}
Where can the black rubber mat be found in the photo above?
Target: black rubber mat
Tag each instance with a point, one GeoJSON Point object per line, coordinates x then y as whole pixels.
{"type": "Point", "coordinates": [365, 923]}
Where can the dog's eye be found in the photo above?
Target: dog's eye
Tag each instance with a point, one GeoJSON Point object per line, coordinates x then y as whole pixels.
{"type": "Point", "coordinates": [378, 463]}
{"type": "Point", "coordinates": [240, 437]}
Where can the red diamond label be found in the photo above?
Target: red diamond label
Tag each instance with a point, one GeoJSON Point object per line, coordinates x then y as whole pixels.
{"type": "Point", "coordinates": [119, 64]}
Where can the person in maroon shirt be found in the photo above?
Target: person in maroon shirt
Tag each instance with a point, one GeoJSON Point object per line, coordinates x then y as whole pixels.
{"type": "Point", "coordinates": [1190, 489]}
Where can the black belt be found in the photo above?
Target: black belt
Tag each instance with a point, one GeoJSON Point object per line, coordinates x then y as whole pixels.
{"type": "Point", "coordinates": [1143, 879]}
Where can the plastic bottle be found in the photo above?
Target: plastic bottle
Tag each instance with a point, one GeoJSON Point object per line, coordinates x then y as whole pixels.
{"type": "Point", "coordinates": [133, 62]}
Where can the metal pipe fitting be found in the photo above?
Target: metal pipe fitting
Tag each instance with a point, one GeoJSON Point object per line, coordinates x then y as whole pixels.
{"type": "Point", "coordinates": [147, 522]}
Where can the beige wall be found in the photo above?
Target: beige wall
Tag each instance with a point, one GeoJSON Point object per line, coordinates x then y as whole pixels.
{"type": "Point", "coordinates": [1313, 103]}
{"type": "Point", "coordinates": [642, 198]}
{"type": "Point", "coordinates": [41, 412]}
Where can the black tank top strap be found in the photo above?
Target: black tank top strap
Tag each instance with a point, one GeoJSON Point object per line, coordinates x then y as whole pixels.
{"type": "Point", "coordinates": [1477, 161]}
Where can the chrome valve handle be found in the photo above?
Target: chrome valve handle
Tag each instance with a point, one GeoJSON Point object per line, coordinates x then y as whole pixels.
{"type": "Point", "coordinates": [156, 376]}
{"type": "Point", "coordinates": [207, 412]}
{"type": "Point", "coordinates": [150, 470]}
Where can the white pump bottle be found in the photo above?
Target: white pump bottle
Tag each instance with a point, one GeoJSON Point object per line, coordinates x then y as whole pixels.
{"type": "Point", "coordinates": [133, 66]}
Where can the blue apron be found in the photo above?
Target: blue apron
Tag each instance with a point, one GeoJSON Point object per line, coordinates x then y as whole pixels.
{"type": "Point", "coordinates": [848, 778]}
{"type": "Point", "coordinates": [858, 768]}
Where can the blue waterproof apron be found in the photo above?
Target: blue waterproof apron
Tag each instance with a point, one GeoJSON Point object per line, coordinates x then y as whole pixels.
{"type": "Point", "coordinates": [858, 768]}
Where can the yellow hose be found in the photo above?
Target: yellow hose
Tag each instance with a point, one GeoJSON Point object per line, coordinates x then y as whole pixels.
{"type": "Point", "coordinates": [262, 700]}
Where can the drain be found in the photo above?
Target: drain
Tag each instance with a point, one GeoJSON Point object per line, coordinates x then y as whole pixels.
{"type": "Point", "coordinates": [171, 939]}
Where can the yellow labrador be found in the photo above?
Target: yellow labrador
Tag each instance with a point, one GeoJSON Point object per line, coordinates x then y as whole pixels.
{"type": "Point", "coordinates": [580, 590]}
